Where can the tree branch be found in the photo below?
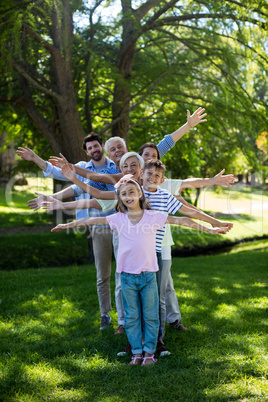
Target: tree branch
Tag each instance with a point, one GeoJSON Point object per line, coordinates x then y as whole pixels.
{"type": "Point", "coordinates": [217, 34]}
{"type": "Point", "coordinates": [35, 83]}
{"type": "Point", "coordinates": [160, 12]}
{"type": "Point", "coordinates": [187, 17]}
{"type": "Point", "coordinates": [50, 48]}
{"type": "Point", "coordinates": [140, 12]}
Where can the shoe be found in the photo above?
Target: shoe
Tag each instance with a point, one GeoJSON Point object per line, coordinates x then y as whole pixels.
{"type": "Point", "coordinates": [105, 321]}
{"type": "Point", "coordinates": [178, 326]}
{"type": "Point", "coordinates": [135, 360]}
{"type": "Point", "coordinates": [148, 360]}
{"type": "Point", "coordinates": [120, 330]}
{"type": "Point", "coordinates": [125, 351]}
{"type": "Point", "coordinates": [161, 350]}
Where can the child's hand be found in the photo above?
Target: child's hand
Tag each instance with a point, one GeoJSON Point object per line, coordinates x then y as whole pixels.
{"type": "Point", "coordinates": [68, 172]}
{"type": "Point", "coordinates": [35, 203]}
{"type": "Point", "coordinates": [196, 117]}
{"type": "Point", "coordinates": [58, 228]}
{"type": "Point", "coordinates": [52, 204]}
{"type": "Point", "coordinates": [225, 181]}
{"type": "Point", "coordinates": [223, 230]}
{"type": "Point", "coordinates": [26, 153]}
{"type": "Point", "coordinates": [222, 224]}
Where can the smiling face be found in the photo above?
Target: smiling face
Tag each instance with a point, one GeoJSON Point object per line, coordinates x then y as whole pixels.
{"type": "Point", "coordinates": [130, 196]}
{"type": "Point", "coordinates": [149, 153]}
{"type": "Point", "coordinates": [94, 150]}
{"type": "Point", "coordinates": [115, 150]}
{"type": "Point", "coordinates": [152, 178]}
{"type": "Point", "coordinates": [132, 166]}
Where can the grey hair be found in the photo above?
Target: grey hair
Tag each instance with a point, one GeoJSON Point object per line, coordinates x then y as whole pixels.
{"type": "Point", "coordinates": [128, 155]}
{"type": "Point", "coordinates": [106, 145]}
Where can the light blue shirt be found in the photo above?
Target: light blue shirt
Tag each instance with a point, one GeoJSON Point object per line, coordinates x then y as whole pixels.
{"type": "Point", "coordinates": [109, 167]}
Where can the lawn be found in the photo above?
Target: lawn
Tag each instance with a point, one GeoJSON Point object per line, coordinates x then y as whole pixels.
{"type": "Point", "coordinates": [13, 204]}
{"type": "Point", "coordinates": [52, 348]}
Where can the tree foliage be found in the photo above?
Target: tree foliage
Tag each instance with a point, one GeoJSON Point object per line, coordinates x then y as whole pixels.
{"type": "Point", "coordinates": [136, 73]}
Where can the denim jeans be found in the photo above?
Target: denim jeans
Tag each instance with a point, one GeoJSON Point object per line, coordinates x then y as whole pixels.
{"type": "Point", "coordinates": [140, 296]}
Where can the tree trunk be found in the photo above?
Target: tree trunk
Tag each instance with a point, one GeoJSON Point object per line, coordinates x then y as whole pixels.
{"type": "Point", "coordinates": [122, 92]}
{"type": "Point", "coordinates": [197, 195]}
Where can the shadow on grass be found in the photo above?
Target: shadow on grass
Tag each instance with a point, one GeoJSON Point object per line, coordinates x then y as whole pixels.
{"type": "Point", "coordinates": [52, 348]}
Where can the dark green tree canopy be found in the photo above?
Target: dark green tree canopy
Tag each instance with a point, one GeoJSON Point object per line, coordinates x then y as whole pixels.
{"type": "Point", "coordinates": [136, 74]}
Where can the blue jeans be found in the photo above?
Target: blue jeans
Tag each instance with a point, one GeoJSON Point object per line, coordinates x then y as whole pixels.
{"type": "Point", "coordinates": [140, 296]}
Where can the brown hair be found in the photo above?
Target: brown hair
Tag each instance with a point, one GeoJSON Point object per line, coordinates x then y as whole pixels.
{"type": "Point", "coordinates": [149, 145]}
{"type": "Point", "coordinates": [156, 163]}
{"type": "Point", "coordinates": [91, 137]}
{"type": "Point", "coordinates": [120, 207]}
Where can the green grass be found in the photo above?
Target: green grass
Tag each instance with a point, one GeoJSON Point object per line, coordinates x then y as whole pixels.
{"type": "Point", "coordinates": [13, 204]}
{"type": "Point", "coordinates": [39, 250]}
{"type": "Point", "coordinates": [52, 349]}
{"type": "Point", "coordinates": [247, 208]}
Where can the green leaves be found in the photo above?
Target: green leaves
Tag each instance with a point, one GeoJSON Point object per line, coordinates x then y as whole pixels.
{"type": "Point", "coordinates": [137, 73]}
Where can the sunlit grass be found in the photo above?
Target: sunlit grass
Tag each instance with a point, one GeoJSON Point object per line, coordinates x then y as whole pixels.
{"type": "Point", "coordinates": [52, 348]}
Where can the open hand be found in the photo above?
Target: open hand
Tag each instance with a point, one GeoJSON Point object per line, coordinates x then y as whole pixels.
{"type": "Point", "coordinates": [224, 225]}
{"type": "Point", "coordinates": [225, 181]}
{"type": "Point", "coordinates": [223, 230]}
{"type": "Point", "coordinates": [56, 161]}
{"type": "Point", "coordinates": [68, 172]}
{"type": "Point", "coordinates": [52, 204]}
{"type": "Point", "coordinates": [26, 153]}
{"type": "Point", "coordinates": [196, 118]}
{"type": "Point", "coordinates": [35, 203]}
{"type": "Point", "coordinates": [58, 228]}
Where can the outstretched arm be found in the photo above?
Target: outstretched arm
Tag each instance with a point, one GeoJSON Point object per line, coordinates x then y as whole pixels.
{"type": "Point", "coordinates": [217, 180]}
{"type": "Point", "coordinates": [89, 174]}
{"type": "Point", "coordinates": [107, 178]}
{"type": "Point", "coordinates": [35, 203]}
{"type": "Point", "coordinates": [29, 155]}
{"type": "Point", "coordinates": [192, 121]}
{"type": "Point", "coordinates": [70, 174]}
{"type": "Point", "coordinates": [81, 223]}
{"type": "Point", "coordinates": [195, 213]}
{"type": "Point", "coordinates": [175, 220]}
{"type": "Point", "coordinates": [53, 204]}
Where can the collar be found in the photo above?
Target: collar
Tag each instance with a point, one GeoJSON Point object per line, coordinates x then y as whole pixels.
{"type": "Point", "coordinates": [109, 163]}
{"type": "Point", "coordinates": [152, 192]}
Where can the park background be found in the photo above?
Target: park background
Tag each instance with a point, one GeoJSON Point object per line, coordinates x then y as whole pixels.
{"type": "Point", "coordinates": [132, 69]}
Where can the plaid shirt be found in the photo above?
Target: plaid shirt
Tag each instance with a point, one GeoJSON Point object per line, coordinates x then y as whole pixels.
{"type": "Point", "coordinates": [165, 145]}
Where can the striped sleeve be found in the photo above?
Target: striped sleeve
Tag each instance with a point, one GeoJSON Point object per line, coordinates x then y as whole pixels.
{"type": "Point", "coordinates": [173, 205]}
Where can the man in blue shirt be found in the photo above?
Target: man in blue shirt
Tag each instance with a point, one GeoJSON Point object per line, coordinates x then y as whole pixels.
{"type": "Point", "coordinates": [102, 237]}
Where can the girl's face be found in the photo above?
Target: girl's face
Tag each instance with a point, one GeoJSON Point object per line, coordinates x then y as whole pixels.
{"type": "Point", "coordinates": [130, 196]}
{"type": "Point", "coordinates": [149, 153]}
{"type": "Point", "coordinates": [132, 166]}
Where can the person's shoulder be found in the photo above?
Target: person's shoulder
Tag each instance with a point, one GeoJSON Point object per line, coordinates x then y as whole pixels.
{"type": "Point", "coordinates": [83, 164]}
{"type": "Point", "coordinates": [163, 191]}
{"type": "Point", "coordinates": [154, 214]}
{"type": "Point", "coordinates": [116, 216]}
{"type": "Point", "coordinates": [111, 165]}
